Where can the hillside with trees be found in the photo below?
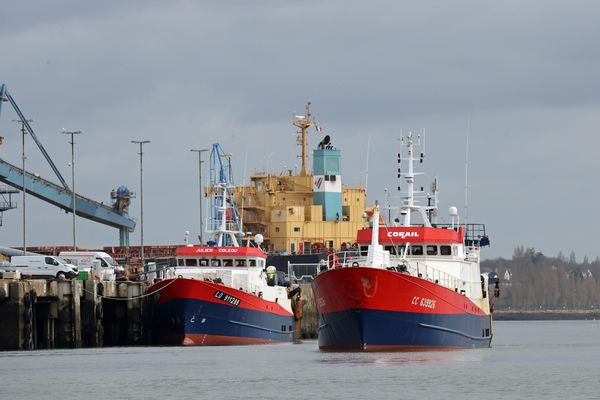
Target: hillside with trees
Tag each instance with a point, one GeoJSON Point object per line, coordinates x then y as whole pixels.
{"type": "Point", "coordinates": [531, 281]}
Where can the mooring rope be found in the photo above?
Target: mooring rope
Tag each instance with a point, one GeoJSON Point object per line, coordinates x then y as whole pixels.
{"type": "Point", "coordinates": [135, 297]}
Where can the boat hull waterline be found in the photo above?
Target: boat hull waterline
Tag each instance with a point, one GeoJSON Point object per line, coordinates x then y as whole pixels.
{"type": "Point", "coordinates": [192, 312]}
{"type": "Point", "coordinates": [369, 309]}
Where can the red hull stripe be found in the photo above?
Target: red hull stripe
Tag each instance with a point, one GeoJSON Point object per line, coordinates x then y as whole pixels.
{"type": "Point", "coordinates": [379, 289]}
{"type": "Point", "coordinates": [193, 339]}
{"type": "Point", "coordinates": [375, 348]}
{"type": "Point", "coordinates": [183, 288]}
{"type": "Point", "coordinates": [413, 234]}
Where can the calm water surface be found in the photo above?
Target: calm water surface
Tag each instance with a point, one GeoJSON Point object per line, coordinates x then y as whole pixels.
{"type": "Point", "coordinates": [539, 360]}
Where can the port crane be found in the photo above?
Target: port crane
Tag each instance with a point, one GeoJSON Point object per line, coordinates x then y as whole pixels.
{"type": "Point", "coordinates": [61, 195]}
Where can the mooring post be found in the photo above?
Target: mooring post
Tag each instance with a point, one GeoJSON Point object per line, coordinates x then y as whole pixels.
{"type": "Point", "coordinates": [76, 307]}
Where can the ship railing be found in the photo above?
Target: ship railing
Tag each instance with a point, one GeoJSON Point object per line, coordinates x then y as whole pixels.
{"type": "Point", "coordinates": [399, 264]}
{"type": "Point", "coordinates": [303, 272]}
{"type": "Point", "coordinates": [432, 274]}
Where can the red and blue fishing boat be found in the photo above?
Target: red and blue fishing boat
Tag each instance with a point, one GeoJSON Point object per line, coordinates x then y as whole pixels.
{"type": "Point", "coordinates": [222, 293]}
{"type": "Point", "coordinates": [407, 287]}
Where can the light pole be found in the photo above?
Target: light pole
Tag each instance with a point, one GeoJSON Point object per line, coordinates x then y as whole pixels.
{"type": "Point", "coordinates": [200, 151]}
{"type": "Point", "coordinates": [23, 132]}
{"type": "Point", "coordinates": [72, 142]}
{"type": "Point", "coordinates": [141, 143]}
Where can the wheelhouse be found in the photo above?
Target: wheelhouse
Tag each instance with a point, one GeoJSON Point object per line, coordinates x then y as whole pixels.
{"type": "Point", "coordinates": [216, 257]}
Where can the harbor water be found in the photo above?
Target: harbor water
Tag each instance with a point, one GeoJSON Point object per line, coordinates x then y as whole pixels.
{"type": "Point", "coordinates": [529, 359]}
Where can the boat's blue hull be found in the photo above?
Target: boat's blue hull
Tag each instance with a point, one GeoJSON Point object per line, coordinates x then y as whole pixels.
{"type": "Point", "coordinates": [187, 321]}
{"type": "Point", "coordinates": [368, 329]}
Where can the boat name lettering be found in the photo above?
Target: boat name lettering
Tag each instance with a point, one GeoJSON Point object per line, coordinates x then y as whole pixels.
{"type": "Point", "coordinates": [321, 302]}
{"type": "Point", "coordinates": [403, 235]}
{"type": "Point", "coordinates": [423, 302]}
{"type": "Point", "coordinates": [234, 301]}
{"type": "Point", "coordinates": [213, 250]}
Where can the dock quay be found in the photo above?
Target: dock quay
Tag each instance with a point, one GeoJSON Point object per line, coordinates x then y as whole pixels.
{"type": "Point", "coordinates": [53, 314]}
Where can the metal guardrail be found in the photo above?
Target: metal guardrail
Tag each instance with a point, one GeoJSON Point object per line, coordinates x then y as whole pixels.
{"type": "Point", "coordinates": [412, 267]}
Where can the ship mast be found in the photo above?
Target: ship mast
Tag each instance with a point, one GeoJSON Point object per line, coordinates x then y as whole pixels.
{"type": "Point", "coordinates": [303, 123]}
{"type": "Point", "coordinates": [409, 206]}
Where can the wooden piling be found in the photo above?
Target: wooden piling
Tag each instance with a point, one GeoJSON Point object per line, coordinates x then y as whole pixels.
{"type": "Point", "coordinates": [308, 327]}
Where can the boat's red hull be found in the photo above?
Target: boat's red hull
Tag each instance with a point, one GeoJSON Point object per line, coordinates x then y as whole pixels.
{"type": "Point", "coordinates": [376, 309]}
{"type": "Point", "coordinates": [195, 312]}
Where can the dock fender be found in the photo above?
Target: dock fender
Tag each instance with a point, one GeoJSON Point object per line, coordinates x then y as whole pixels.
{"type": "Point", "coordinates": [27, 300]}
{"type": "Point", "coordinates": [99, 311]}
{"type": "Point", "coordinates": [100, 289]}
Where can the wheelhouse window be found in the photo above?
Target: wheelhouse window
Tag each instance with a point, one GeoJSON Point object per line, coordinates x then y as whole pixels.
{"type": "Point", "coordinates": [252, 263]}
{"type": "Point", "coordinates": [191, 262]}
{"type": "Point", "coordinates": [432, 250]}
{"type": "Point", "coordinates": [240, 263]}
{"type": "Point", "coordinates": [228, 263]}
{"type": "Point", "coordinates": [215, 263]}
{"type": "Point", "coordinates": [416, 250]}
{"type": "Point", "coordinates": [391, 249]}
{"type": "Point", "coordinates": [180, 262]}
{"type": "Point", "coordinates": [445, 250]}
{"type": "Point", "coordinates": [203, 262]}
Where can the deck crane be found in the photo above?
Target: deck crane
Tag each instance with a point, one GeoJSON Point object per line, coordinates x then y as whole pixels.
{"type": "Point", "coordinates": [61, 195]}
{"type": "Point", "coordinates": [224, 224]}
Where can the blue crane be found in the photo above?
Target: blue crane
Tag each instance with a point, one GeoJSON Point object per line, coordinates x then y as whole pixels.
{"type": "Point", "coordinates": [224, 224]}
{"type": "Point", "coordinates": [61, 195]}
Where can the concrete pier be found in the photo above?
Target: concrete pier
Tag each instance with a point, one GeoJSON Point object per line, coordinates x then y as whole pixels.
{"type": "Point", "coordinates": [40, 314]}
{"type": "Point", "coordinates": [49, 314]}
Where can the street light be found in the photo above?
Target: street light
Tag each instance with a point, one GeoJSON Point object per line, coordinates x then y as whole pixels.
{"type": "Point", "coordinates": [141, 143]}
{"type": "Point", "coordinates": [72, 142]}
{"type": "Point", "coordinates": [23, 132]}
{"type": "Point", "coordinates": [200, 151]}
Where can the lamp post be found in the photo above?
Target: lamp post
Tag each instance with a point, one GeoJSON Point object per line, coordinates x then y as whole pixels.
{"type": "Point", "coordinates": [23, 132]}
{"type": "Point", "coordinates": [141, 143]}
{"type": "Point", "coordinates": [200, 151]}
{"type": "Point", "coordinates": [72, 142]}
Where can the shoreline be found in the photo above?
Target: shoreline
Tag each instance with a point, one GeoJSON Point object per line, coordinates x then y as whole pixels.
{"type": "Point", "coordinates": [510, 315]}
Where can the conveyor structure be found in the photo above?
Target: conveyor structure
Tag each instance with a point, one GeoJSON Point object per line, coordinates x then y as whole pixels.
{"type": "Point", "coordinates": [114, 215]}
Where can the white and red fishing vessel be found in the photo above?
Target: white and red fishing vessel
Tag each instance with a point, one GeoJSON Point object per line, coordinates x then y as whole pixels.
{"type": "Point", "coordinates": [222, 294]}
{"type": "Point", "coordinates": [408, 286]}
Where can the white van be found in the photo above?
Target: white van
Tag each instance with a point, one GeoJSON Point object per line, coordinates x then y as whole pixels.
{"type": "Point", "coordinates": [85, 261]}
{"type": "Point", "coordinates": [43, 266]}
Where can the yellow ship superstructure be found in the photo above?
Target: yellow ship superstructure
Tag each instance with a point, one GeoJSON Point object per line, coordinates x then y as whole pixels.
{"type": "Point", "coordinates": [306, 212]}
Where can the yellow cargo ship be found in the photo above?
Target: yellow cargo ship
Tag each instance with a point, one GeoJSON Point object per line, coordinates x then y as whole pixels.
{"type": "Point", "coordinates": [307, 212]}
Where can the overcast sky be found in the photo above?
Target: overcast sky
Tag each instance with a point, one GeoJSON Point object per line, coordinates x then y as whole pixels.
{"type": "Point", "coordinates": [186, 74]}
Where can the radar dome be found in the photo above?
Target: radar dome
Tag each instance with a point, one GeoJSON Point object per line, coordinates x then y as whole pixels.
{"type": "Point", "coordinates": [258, 238]}
{"type": "Point", "coordinates": [453, 211]}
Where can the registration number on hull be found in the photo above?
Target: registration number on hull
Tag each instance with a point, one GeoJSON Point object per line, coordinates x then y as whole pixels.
{"type": "Point", "coordinates": [234, 301]}
{"type": "Point", "coordinates": [423, 302]}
